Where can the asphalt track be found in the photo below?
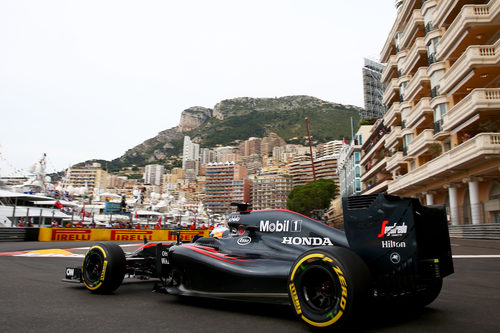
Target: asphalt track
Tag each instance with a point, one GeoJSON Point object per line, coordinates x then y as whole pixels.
{"type": "Point", "coordinates": [33, 299]}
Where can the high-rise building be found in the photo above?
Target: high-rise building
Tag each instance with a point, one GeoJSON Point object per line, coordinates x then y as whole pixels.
{"type": "Point", "coordinates": [191, 151]}
{"type": "Point", "coordinates": [442, 143]}
{"type": "Point", "coordinates": [221, 188]}
{"type": "Point", "coordinates": [153, 174]}
{"type": "Point", "coordinates": [373, 90]}
{"type": "Point", "coordinates": [270, 190]}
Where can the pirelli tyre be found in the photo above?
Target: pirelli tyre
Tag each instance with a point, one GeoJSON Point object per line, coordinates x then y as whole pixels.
{"type": "Point", "coordinates": [327, 286]}
{"type": "Point", "coordinates": [103, 268]}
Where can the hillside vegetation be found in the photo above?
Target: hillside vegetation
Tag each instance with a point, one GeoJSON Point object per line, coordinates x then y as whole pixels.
{"type": "Point", "coordinates": [238, 119]}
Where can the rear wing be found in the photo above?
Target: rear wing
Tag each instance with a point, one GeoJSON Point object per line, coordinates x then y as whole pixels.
{"type": "Point", "coordinates": [398, 237]}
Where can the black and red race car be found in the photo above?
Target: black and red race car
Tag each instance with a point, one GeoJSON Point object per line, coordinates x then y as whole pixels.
{"type": "Point", "coordinates": [392, 249]}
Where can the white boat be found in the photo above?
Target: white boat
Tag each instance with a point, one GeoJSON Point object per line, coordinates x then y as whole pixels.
{"type": "Point", "coordinates": [37, 210]}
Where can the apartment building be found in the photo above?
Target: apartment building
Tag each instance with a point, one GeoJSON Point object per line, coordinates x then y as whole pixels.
{"type": "Point", "coordinates": [153, 174]}
{"type": "Point", "coordinates": [302, 172]}
{"type": "Point", "coordinates": [348, 166]}
{"type": "Point", "coordinates": [190, 151]}
{"type": "Point", "coordinates": [115, 181]}
{"type": "Point", "coordinates": [328, 148]}
{"type": "Point", "coordinates": [441, 137]}
{"type": "Point", "coordinates": [89, 176]}
{"type": "Point", "coordinates": [270, 190]}
{"type": "Point", "coordinates": [221, 188]}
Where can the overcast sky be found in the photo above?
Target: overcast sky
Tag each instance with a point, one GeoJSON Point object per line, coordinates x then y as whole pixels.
{"type": "Point", "coordinates": [90, 79]}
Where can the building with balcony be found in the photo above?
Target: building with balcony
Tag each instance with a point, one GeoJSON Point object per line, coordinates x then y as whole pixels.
{"type": "Point", "coordinates": [89, 176]}
{"type": "Point", "coordinates": [222, 186]}
{"type": "Point", "coordinates": [443, 100]}
{"type": "Point", "coordinates": [374, 176]}
{"type": "Point", "coordinates": [270, 190]}
{"type": "Point", "coordinates": [328, 148]}
{"type": "Point", "coordinates": [302, 172]}
{"type": "Point", "coordinates": [348, 166]}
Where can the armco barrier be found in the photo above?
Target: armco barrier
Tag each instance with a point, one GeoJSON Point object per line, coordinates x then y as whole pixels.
{"type": "Point", "coordinates": [12, 234]}
{"type": "Point", "coordinates": [18, 234]}
{"type": "Point", "coordinates": [475, 231]}
{"type": "Point", "coordinates": [84, 234]}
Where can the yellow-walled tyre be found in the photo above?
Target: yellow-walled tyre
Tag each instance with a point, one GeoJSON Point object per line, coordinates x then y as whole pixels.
{"type": "Point", "coordinates": [327, 286]}
{"type": "Point", "coordinates": [103, 268]}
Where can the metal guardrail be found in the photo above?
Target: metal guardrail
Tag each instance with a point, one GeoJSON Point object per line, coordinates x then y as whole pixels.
{"type": "Point", "coordinates": [12, 234]}
{"type": "Point", "coordinates": [475, 231]}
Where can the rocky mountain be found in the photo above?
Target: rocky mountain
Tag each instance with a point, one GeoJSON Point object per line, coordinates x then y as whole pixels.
{"type": "Point", "coordinates": [238, 119]}
{"type": "Point", "coordinates": [194, 117]}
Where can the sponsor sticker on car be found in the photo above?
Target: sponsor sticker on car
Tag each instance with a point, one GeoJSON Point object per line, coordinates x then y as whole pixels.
{"type": "Point", "coordinates": [392, 230]}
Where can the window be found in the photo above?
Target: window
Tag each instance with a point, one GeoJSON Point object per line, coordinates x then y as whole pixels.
{"type": "Point", "coordinates": [439, 111]}
{"type": "Point", "coordinates": [431, 51]}
{"type": "Point", "coordinates": [406, 141]}
{"type": "Point", "coordinates": [396, 40]}
{"type": "Point", "coordinates": [356, 157]}
{"type": "Point", "coordinates": [402, 90]}
{"type": "Point", "coordinates": [358, 185]}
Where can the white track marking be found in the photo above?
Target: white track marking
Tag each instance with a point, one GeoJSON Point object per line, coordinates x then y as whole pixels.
{"type": "Point", "coordinates": [474, 256]}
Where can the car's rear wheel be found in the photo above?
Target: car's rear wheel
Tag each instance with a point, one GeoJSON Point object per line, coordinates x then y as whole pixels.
{"type": "Point", "coordinates": [103, 268]}
{"type": "Point", "coordinates": [327, 285]}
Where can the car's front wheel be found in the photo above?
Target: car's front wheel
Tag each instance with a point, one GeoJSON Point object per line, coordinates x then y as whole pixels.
{"type": "Point", "coordinates": [103, 268]}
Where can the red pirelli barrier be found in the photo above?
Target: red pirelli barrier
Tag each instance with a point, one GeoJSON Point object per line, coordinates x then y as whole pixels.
{"type": "Point", "coordinates": [84, 234]}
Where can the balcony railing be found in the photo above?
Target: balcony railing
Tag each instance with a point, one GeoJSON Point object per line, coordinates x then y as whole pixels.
{"type": "Point", "coordinates": [473, 58]}
{"type": "Point", "coordinates": [421, 110]}
{"type": "Point", "coordinates": [390, 91]}
{"type": "Point", "coordinates": [416, 83]}
{"type": "Point", "coordinates": [420, 142]}
{"type": "Point", "coordinates": [417, 50]}
{"type": "Point", "coordinates": [438, 126]}
{"type": "Point", "coordinates": [472, 152]}
{"type": "Point", "coordinates": [411, 28]}
{"type": "Point", "coordinates": [393, 136]}
{"type": "Point", "coordinates": [372, 169]}
{"type": "Point", "coordinates": [394, 160]}
{"type": "Point", "coordinates": [469, 15]}
{"type": "Point", "coordinates": [391, 65]}
{"type": "Point", "coordinates": [478, 100]}
{"type": "Point", "coordinates": [378, 187]}
{"type": "Point", "coordinates": [392, 115]}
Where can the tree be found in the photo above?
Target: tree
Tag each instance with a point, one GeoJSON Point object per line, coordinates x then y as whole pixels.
{"type": "Point", "coordinates": [312, 196]}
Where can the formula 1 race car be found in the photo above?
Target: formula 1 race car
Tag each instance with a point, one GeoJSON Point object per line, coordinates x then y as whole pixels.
{"type": "Point", "coordinates": [393, 249]}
